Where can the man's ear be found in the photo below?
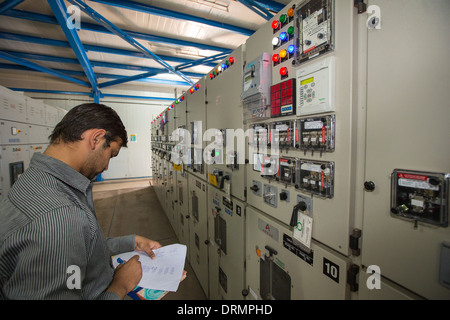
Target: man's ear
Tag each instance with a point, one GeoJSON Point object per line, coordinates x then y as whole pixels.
{"type": "Point", "coordinates": [95, 137]}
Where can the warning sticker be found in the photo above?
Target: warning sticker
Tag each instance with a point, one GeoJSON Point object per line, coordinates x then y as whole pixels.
{"type": "Point", "coordinates": [416, 183]}
{"type": "Point", "coordinates": [268, 229]}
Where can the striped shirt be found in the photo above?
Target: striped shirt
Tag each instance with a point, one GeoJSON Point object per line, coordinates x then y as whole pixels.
{"type": "Point", "coordinates": [47, 226]}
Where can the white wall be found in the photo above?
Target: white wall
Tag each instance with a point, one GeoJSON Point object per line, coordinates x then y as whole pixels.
{"type": "Point", "coordinates": [135, 160]}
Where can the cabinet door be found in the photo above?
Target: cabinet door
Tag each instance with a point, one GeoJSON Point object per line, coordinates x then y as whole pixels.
{"type": "Point", "coordinates": [407, 128]}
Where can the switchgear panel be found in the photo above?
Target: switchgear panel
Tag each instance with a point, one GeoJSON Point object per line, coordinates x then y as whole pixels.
{"type": "Point", "coordinates": [315, 24]}
{"type": "Point", "coordinates": [421, 196]}
{"type": "Point", "coordinates": [226, 228]}
{"type": "Point", "coordinates": [283, 269]}
{"type": "Point", "coordinates": [225, 156]}
{"type": "Point", "coordinates": [198, 229]}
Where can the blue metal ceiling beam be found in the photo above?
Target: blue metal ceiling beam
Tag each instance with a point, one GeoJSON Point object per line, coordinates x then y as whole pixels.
{"type": "Point", "coordinates": [32, 39]}
{"type": "Point", "coordinates": [9, 4]}
{"type": "Point", "coordinates": [271, 5]}
{"type": "Point", "coordinates": [137, 6]}
{"type": "Point", "coordinates": [131, 78]}
{"type": "Point", "coordinates": [201, 61]}
{"type": "Point", "coordinates": [257, 8]}
{"type": "Point", "coordinates": [60, 11]}
{"type": "Point", "coordinates": [98, 28]}
{"type": "Point", "coordinates": [65, 44]}
{"type": "Point", "coordinates": [81, 93]}
{"type": "Point", "coordinates": [99, 75]}
{"type": "Point", "coordinates": [94, 63]}
{"type": "Point", "coordinates": [110, 26]}
{"type": "Point", "coordinates": [40, 68]}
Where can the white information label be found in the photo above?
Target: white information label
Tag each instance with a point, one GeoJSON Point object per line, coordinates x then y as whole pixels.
{"type": "Point", "coordinates": [303, 230]}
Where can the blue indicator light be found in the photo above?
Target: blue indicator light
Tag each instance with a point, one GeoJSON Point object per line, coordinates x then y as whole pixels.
{"type": "Point", "coordinates": [283, 36]}
{"type": "Point", "coordinates": [291, 49]}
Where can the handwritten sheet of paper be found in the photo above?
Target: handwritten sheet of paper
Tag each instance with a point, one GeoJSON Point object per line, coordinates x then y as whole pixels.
{"type": "Point", "coordinates": [162, 273]}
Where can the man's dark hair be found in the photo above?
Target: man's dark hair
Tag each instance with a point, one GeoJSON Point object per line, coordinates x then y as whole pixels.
{"type": "Point", "coordinates": [90, 116]}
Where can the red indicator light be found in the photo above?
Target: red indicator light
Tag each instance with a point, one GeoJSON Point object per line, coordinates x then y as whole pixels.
{"type": "Point", "coordinates": [275, 57]}
{"type": "Point", "coordinates": [211, 76]}
{"type": "Point", "coordinates": [197, 86]}
{"type": "Point", "coordinates": [231, 59]}
{"type": "Point", "coordinates": [181, 98]}
{"type": "Point", "coordinates": [283, 71]}
{"type": "Point", "coordinates": [275, 24]}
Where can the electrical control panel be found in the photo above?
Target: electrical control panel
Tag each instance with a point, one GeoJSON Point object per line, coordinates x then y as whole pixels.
{"type": "Point", "coordinates": [224, 114]}
{"type": "Point", "coordinates": [226, 230]}
{"type": "Point", "coordinates": [309, 89]}
{"type": "Point", "coordinates": [198, 230]}
{"type": "Point", "coordinates": [282, 268]}
{"type": "Point", "coordinates": [421, 196]}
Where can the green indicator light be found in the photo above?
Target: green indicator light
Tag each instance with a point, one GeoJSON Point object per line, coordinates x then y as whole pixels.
{"type": "Point", "coordinates": [290, 30]}
{"type": "Point", "coordinates": [283, 18]}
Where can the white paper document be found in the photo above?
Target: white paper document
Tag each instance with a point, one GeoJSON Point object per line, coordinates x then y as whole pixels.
{"type": "Point", "coordinates": [162, 273]}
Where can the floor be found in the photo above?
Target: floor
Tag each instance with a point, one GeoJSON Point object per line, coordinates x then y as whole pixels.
{"type": "Point", "coordinates": [128, 207]}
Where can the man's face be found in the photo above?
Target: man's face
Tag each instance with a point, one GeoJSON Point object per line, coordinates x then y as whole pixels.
{"type": "Point", "coordinates": [99, 159]}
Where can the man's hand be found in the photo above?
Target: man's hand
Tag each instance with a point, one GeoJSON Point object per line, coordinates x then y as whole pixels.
{"type": "Point", "coordinates": [126, 277]}
{"type": "Point", "coordinates": [146, 245]}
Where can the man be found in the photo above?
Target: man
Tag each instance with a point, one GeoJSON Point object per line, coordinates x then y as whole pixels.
{"type": "Point", "coordinates": [49, 233]}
